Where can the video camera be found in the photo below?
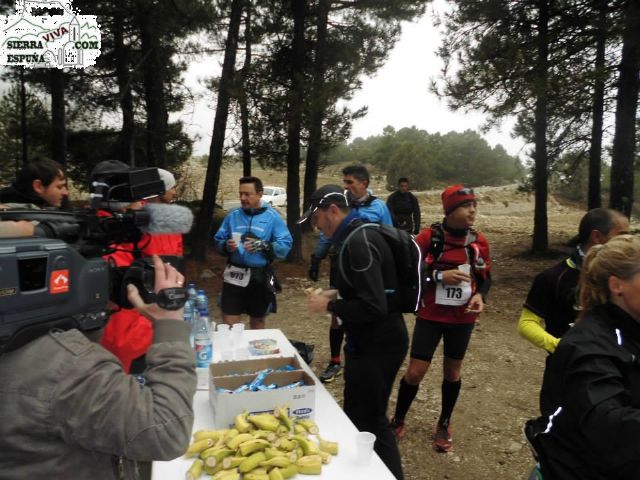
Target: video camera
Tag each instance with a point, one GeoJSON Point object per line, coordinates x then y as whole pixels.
{"type": "Point", "coordinates": [61, 280]}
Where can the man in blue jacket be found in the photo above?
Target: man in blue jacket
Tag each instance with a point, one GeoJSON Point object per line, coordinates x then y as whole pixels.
{"type": "Point", "coordinates": [369, 208]}
{"type": "Point", "coordinates": [251, 237]}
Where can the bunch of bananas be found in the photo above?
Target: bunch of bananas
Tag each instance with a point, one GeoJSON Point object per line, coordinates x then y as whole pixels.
{"type": "Point", "coordinates": [266, 446]}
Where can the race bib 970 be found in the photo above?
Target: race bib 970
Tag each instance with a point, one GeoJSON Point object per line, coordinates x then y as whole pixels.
{"type": "Point", "coordinates": [453, 295]}
{"type": "Point", "coordinates": [237, 275]}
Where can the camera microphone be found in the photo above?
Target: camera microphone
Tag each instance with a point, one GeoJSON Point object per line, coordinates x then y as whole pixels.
{"type": "Point", "coordinates": [167, 218]}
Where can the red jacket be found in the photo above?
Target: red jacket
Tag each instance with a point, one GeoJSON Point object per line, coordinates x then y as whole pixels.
{"type": "Point", "coordinates": [127, 334]}
{"type": "Point", "coordinates": [161, 244]}
{"type": "Point", "coordinates": [454, 254]}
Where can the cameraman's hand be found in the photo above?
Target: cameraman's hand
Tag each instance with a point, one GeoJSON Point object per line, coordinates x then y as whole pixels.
{"type": "Point", "coordinates": [166, 276]}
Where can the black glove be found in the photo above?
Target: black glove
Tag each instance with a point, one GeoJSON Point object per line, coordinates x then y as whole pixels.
{"type": "Point", "coordinates": [314, 268]}
{"type": "Point", "coordinates": [261, 246]}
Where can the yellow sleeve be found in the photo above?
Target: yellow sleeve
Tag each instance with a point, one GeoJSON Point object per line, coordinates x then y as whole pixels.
{"type": "Point", "coordinates": [530, 327]}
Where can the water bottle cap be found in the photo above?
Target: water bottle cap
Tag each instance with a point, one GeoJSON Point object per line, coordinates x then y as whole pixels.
{"type": "Point", "coordinates": [201, 291]}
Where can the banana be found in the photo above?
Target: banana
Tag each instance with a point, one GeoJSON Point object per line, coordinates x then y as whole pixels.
{"type": "Point", "coordinates": [265, 421]}
{"type": "Point", "coordinates": [226, 475]}
{"type": "Point", "coordinates": [256, 476]}
{"type": "Point", "coordinates": [281, 414]}
{"type": "Point", "coordinates": [198, 446]}
{"type": "Point", "coordinates": [214, 456]}
{"type": "Point", "coordinates": [282, 430]}
{"type": "Point", "coordinates": [310, 465]}
{"type": "Point", "coordinates": [241, 423]}
{"type": "Point", "coordinates": [234, 443]}
{"type": "Point", "coordinates": [271, 452]}
{"type": "Point", "coordinates": [251, 462]}
{"type": "Point", "coordinates": [327, 446]}
{"type": "Point", "coordinates": [298, 453]}
{"type": "Point", "coordinates": [212, 434]}
{"type": "Point", "coordinates": [230, 434]}
{"type": "Point", "coordinates": [274, 474]}
{"type": "Point", "coordinates": [293, 456]}
{"type": "Point", "coordinates": [309, 425]}
{"type": "Point", "coordinates": [265, 435]}
{"type": "Point", "coordinates": [308, 446]}
{"type": "Point", "coordinates": [213, 470]}
{"type": "Point", "coordinates": [284, 443]}
{"type": "Point", "coordinates": [280, 462]}
{"type": "Point", "coordinates": [289, 471]}
{"type": "Point", "coordinates": [326, 457]}
{"type": "Point", "coordinates": [247, 448]}
{"type": "Point", "coordinates": [195, 470]}
{"type": "Point", "coordinates": [259, 471]}
{"type": "Point", "coordinates": [300, 430]}
{"type": "Point", "coordinates": [232, 462]}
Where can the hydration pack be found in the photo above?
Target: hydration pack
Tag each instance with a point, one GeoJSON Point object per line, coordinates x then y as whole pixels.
{"type": "Point", "coordinates": [409, 265]}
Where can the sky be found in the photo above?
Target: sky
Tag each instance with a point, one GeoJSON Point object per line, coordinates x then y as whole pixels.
{"type": "Point", "coordinates": [398, 95]}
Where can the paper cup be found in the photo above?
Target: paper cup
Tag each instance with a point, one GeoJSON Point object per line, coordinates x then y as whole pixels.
{"type": "Point", "coordinates": [364, 447]}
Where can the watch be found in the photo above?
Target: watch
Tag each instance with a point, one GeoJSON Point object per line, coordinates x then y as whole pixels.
{"type": "Point", "coordinates": [438, 276]}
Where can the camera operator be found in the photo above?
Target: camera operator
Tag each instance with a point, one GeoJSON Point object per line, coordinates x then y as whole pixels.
{"type": "Point", "coordinates": [39, 184]}
{"type": "Point", "coordinates": [68, 408]}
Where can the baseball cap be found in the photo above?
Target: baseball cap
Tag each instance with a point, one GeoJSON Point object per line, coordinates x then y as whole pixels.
{"type": "Point", "coordinates": [323, 197]}
{"type": "Point", "coordinates": [168, 179]}
{"type": "Point", "coordinates": [456, 195]}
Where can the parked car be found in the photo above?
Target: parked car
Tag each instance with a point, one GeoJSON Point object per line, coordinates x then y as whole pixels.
{"type": "Point", "coordinates": [275, 196]}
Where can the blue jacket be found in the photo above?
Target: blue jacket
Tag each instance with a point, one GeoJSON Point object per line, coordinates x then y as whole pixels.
{"type": "Point", "coordinates": [263, 223]}
{"type": "Point", "coordinates": [373, 210]}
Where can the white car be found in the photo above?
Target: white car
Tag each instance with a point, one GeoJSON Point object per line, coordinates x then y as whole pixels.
{"type": "Point", "coordinates": [275, 196]}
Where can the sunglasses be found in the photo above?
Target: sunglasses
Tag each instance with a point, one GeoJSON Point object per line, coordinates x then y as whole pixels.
{"type": "Point", "coordinates": [464, 191]}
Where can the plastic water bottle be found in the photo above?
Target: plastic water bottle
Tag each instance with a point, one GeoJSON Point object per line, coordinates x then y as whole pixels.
{"type": "Point", "coordinates": [188, 318]}
{"type": "Point", "coordinates": [203, 345]}
{"type": "Point", "coordinates": [202, 303]}
{"type": "Point", "coordinates": [192, 292]}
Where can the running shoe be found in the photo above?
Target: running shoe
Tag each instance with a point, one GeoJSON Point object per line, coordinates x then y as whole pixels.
{"type": "Point", "coordinates": [399, 429]}
{"type": "Point", "coordinates": [442, 441]}
{"type": "Point", "coordinates": [330, 373]}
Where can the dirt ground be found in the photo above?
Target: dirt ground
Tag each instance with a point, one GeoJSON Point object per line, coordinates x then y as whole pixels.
{"type": "Point", "coordinates": [502, 372]}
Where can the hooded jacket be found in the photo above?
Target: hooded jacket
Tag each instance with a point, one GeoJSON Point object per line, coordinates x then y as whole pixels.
{"type": "Point", "coordinates": [69, 410]}
{"type": "Point", "coordinates": [12, 196]}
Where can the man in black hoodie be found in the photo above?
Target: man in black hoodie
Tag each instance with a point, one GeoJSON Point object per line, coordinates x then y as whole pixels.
{"type": "Point", "coordinates": [404, 208]}
{"type": "Point", "coordinates": [40, 183]}
{"type": "Point", "coordinates": [377, 338]}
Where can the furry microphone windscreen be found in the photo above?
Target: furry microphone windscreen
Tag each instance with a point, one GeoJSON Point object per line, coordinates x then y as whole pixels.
{"type": "Point", "coordinates": [168, 218]}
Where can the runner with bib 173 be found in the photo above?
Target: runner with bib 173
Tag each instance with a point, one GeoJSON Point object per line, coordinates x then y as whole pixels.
{"type": "Point", "coordinates": [458, 264]}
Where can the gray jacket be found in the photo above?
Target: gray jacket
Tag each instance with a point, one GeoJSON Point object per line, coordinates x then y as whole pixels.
{"type": "Point", "coordinates": [68, 410]}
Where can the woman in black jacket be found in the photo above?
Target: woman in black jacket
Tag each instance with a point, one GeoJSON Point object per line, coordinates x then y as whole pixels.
{"type": "Point", "coordinates": [590, 397]}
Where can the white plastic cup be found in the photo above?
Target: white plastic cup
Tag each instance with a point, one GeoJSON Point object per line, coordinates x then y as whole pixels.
{"type": "Point", "coordinates": [236, 237]}
{"type": "Point", "coordinates": [223, 327]}
{"type": "Point", "coordinates": [227, 355]}
{"type": "Point", "coordinates": [237, 331]}
{"type": "Point", "coordinates": [364, 447]}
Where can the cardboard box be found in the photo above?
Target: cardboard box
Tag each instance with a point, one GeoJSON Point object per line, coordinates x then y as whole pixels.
{"type": "Point", "coordinates": [301, 400]}
{"type": "Point", "coordinates": [239, 367]}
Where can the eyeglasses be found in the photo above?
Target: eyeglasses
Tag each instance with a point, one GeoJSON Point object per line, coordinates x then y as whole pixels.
{"type": "Point", "coordinates": [464, 191]}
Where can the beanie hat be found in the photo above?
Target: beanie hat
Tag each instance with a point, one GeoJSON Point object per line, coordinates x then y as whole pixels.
{"type": "Point", "coordinates": [168, 179]}
{"type": "Point", "coordinates": [454, 196]}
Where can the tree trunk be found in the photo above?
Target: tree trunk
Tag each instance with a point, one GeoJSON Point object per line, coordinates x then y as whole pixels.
{"type": "Point", "coordinates": [595, 151]}
{"type": "Point", "coordinates": [153, 71]}
{"type": "Point", "coordinates": [296, 103]}
{"type": "Point", "coordinates": [121, 54]}
{"type": "Point", "coordinates": [58, 128]}
{"type": "Point", "coordinates": [244, 110]}
{"type": "Point", "coordinates": [202, 232]}
{"type": "Point", "coordinates": [622, 161]}
{"type": "Point", "coordinates": [540, 233]}
{"type": "Point", "coordinates": [317, 102]}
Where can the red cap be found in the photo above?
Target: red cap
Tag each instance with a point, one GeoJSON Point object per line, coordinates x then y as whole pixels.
{"type": "Point", "coordinates": [454, 196]}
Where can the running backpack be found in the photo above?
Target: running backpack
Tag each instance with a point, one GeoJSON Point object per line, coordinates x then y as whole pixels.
{"type": "Point", "coordinates": [436, 247]}
{"type": "Point", "coordinates": [409, 265]}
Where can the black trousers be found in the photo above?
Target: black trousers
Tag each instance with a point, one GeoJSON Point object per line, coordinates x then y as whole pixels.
{"type": "Point", "coordinates": [368, 380]}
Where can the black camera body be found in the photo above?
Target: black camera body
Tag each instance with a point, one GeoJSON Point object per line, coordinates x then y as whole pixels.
{"type": "Point", "coordinates": [62, 281]}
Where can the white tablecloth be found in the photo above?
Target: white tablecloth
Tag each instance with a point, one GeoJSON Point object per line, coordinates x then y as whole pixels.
{"type": "Point", "coordinates": [333, 423]}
